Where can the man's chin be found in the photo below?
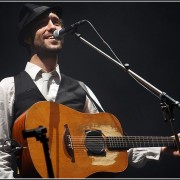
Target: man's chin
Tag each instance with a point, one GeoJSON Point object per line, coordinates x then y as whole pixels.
{"type": "Point", "coordinates": [53, 48]}
{"type": "Point", "coordinates": [47, 51]}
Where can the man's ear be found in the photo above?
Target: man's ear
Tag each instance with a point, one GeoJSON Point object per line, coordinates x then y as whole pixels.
{"type": "Point", "coordinates": [27, 39]}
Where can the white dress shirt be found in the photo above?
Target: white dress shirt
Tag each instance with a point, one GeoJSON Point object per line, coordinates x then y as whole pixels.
{"type": "Point", "coordinates": [137, 156]}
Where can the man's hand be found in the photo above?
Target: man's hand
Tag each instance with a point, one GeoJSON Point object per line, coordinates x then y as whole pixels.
{"type": "Point", "coordinates": [171, 151]}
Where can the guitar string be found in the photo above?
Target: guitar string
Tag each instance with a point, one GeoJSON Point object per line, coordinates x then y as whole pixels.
{"type": "Point", "coordinates": [124, 138]}
{"type": "Point", "coordinates": [78, 142]}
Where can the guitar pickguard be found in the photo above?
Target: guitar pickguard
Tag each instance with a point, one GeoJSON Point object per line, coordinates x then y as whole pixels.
{"type": "Point", "coordinates": [111, 156]}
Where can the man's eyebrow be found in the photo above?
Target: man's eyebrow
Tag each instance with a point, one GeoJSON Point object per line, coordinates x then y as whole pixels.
{"type": "Point", "coordinates": [56, 18]}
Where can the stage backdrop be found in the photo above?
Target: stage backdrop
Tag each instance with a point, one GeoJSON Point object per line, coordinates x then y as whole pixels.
{"type": "Point", "coordinates": [145, 35]}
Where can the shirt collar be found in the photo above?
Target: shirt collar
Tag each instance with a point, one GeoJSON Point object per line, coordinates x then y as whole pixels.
{"type": "Point", "coordinates": [33, 70]}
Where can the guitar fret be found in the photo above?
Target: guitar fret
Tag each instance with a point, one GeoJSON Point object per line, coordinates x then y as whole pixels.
{"type": "Point", "coordinates": [126, 142]}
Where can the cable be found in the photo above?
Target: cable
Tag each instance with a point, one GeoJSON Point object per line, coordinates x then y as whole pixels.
{"type": "Point", "coordinates": [105, 42]}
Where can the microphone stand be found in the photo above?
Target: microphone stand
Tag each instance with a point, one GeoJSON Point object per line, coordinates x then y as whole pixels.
{"type": "Point", "coordinates": [167, 103]}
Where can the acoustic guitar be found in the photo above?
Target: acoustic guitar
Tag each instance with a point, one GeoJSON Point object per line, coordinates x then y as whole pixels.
{"type": "Point", "coordinates": [79, 144]}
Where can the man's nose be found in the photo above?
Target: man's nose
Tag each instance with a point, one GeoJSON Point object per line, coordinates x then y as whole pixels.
{"type": "Point", "coordinates": [51, 25]}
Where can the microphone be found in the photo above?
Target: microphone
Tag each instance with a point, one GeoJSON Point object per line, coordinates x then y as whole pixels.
{"type": "Point", "coordinates": [58, 34]}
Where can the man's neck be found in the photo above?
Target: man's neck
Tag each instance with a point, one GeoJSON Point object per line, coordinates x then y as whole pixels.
{"type": "Point", "coordinates": [47, 63]}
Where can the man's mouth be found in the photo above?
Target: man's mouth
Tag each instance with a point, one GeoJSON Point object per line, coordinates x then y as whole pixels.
{"type": "Point", "coordinates": [51, 37]}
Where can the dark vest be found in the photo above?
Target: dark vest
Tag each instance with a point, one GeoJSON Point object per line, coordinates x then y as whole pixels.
{"type": "Point", "coordinates": [26, 93]}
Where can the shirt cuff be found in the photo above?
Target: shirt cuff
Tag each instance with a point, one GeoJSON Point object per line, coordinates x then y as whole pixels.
{"type": "Point", "coordinates": [138, 157]}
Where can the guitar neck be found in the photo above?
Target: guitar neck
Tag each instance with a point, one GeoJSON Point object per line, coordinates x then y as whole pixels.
{"type": "Point", "coordinates": [126, 142]}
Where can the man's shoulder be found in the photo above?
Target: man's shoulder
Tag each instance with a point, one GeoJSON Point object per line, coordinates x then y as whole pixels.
{"type": "Point", "coordinates": [69, 77]}
{"type": "Point", "coordinates": [7, 79]}
{"type": "Point", "coordinates": [7, 82]}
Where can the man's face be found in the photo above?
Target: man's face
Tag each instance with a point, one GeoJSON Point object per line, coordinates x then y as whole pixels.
{"type": "Point", "coordinates": [43, 33]}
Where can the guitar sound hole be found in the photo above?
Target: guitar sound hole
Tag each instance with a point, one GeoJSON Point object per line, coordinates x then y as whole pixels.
{"type": "Point", "coordinates": [94, 143]}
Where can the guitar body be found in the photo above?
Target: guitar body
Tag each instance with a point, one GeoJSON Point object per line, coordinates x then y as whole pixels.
{"type": "Point", "coordinates": [60, 120]}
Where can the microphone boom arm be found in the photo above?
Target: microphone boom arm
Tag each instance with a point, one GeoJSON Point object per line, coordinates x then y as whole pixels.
{"type": "Point", "coordinates": [167, 101]}
{"type": "Point", "coordinates": [161, 95]}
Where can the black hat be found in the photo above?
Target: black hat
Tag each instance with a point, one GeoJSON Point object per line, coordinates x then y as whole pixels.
{"type": "Point", "coordinates": [31, 12]}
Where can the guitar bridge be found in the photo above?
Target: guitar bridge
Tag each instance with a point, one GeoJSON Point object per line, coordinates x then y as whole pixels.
{"type": "Point", "coordinates": [68, 143]}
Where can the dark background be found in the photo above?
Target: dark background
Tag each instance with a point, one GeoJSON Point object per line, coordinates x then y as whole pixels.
{"type": "Point", "coordinates": [144, 34]}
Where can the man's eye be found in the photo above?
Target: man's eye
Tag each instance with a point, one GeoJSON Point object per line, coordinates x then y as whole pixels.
{"type": "Point", "coordinates": [57, 23]}
{"type": "Point", "coordinates": [41, 24]}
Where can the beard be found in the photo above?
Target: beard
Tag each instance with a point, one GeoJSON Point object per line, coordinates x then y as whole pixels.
{"type": "Point", "coordinates": [48, 49]}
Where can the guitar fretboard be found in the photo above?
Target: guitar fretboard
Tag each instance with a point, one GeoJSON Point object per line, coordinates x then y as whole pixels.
{"type": "Point", "coordinates": [126, 142]}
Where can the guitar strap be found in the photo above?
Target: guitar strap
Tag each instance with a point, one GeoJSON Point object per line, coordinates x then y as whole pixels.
{"type": "Point", "coordinates": [93, 100]}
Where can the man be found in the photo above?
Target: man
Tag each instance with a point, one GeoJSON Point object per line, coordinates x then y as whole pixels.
{"type": "Point", "coordinates": [37, 24]}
